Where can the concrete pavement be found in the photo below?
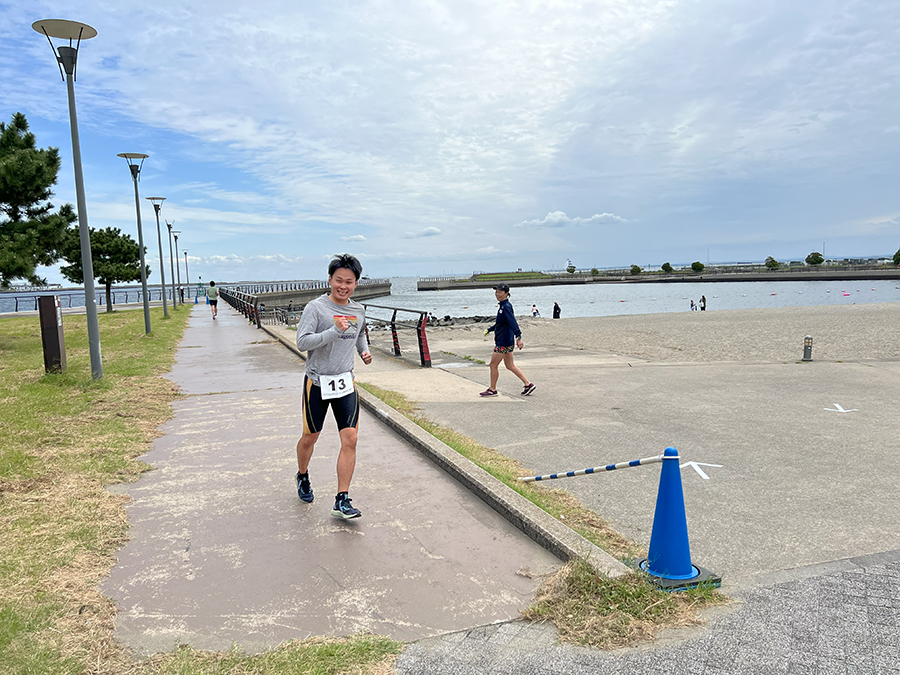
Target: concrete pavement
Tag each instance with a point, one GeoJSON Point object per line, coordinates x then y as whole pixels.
{"type": "Point", "coordinates": [794, 481]}
{"type": "Point", "coordinates": [800, 518]}
{"type": "Point", "coordinates": [222, 551]}
{"type": "Point", "coordinates": [798, 512]}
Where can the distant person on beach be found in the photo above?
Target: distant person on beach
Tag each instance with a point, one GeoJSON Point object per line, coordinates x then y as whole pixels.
{"type": "Point", "coordinates": [702, 303]}
{"type": "Point", "coordinates": [504, 328]}
{"type": "Point", "coordinates": [212, 295]}
{"type": "Point", "coordinates": [534, 311]}
{"type": "Point", "coordinates": [330, 328]}
{"type": "Point", "coordinates": [556, 310]}
{"type": "Point", "coordinates": [693, 306]}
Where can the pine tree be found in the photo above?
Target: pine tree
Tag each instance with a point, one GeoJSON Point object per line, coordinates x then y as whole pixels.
{"type": "Point", "coordinates": [115, 257]}
{"type": "Point", "coordinates": [30, 231]}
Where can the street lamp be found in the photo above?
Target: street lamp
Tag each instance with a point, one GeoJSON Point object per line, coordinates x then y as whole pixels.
{"type": "Point", "coordinates": [157, 204]}
{"type": "Point", "coordinates": [187, 274]}
{"type": "Point", "coordinates": [172, 263]}
{"type": "Point", "coordinates": [135, 168]}
{"type": "Point", "coordinates": [175, 234]}
{"type": "Point", "coordinates": [67, 58]}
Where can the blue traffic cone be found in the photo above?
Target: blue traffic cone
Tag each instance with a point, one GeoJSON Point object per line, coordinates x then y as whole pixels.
{"type": "Point", "coordinates": [669, 559]}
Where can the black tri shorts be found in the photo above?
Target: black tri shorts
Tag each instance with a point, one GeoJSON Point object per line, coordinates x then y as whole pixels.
{"type": "Point", "coordinates": [344, 409]}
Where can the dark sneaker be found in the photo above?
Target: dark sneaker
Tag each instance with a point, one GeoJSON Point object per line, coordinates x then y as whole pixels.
{"type": "Point", "coordinates": [488, 392]}
{"type": "Point", "coordinates": [528, 389]}
{"type": "Point", "coordinates": [342, 508]}
{"type": "Point", "coordinates": [304, 489]}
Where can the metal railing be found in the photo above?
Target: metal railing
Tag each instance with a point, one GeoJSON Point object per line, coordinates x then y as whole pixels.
{"type": "Point", "coordinates": [257, 313]}
{"type": "Point", "coordinates": [253, 288]}
{"type": "Point", "coordinates": [418, 326]}
{"type": "Point", "coordinates": [246, 304]}
{"type": "Point", "coordinates": [29, 303]}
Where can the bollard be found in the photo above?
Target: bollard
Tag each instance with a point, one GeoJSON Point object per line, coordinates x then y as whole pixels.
{"type": "Point", "coordinates": [52, 333]}
{"type": "Point", "coordinates": [807, 348]}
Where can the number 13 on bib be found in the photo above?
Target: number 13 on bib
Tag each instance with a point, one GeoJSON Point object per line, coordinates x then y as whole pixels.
{"type": "Point", "coordinates": [335, 386]}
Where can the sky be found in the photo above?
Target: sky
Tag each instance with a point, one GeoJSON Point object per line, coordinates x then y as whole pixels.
{"type": "Point", "coordinates": [445, 137]}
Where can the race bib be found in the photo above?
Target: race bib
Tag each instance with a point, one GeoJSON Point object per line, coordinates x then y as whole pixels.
{"type": "Point", "coordinates": [336, 386]}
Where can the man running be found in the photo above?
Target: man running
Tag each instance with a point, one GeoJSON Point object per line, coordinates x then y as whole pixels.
{"type": "Point", "coordinates": [212, 295]}
{"type": "Point", "coordinates": [330, 327]}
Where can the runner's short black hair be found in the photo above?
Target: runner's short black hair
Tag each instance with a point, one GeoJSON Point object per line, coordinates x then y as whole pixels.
{"type": "Point", "coordinates": [345, 261]}
{"type": "Point", "coordinates": [212, 283]}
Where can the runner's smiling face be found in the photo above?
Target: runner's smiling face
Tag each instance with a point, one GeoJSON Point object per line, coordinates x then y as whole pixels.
{"type": "Point", "coordinates": [500, 295]}
{"type": "Point", "coordinates": [343, 283]}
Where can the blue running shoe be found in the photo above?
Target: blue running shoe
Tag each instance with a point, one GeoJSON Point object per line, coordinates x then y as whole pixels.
{"type": "Point", "coordinates": [304, 489]}
{"type": "Point", "coordinates": [342, 508]}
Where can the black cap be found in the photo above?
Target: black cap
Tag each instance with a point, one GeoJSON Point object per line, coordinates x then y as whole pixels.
{"type": "Point", "coordinates": [502, 287]}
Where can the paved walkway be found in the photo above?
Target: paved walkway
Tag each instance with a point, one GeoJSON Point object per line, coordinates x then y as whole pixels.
{"type": "Point", "coordinates": [806, 540]}
{"type": "Point", "coordinates": [222, 551]}
{"type": "Point", "coordinates": [799, 516]}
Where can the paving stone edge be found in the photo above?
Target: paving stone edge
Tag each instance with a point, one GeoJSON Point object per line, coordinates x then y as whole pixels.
{"type": "Point", "coordinates": [536, 523]}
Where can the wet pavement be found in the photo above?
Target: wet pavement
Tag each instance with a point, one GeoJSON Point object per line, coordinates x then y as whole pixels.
{"type": "Point", "coordinates": [222, 551]}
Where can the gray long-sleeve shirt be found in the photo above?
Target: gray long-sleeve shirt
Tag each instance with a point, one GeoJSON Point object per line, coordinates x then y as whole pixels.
{"type": "Point", "coordinates": [330, 351]}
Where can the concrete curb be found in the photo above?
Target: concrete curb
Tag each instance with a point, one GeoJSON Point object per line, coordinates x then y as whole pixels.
{"type": "Point", "coordinates": [539, 525]}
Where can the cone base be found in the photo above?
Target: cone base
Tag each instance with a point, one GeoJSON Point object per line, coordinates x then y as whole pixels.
{"type": "Point", "coordinates": [703, 578]}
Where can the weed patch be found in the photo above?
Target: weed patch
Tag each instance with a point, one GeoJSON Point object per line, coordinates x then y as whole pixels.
{"type": "Point", "coordinates": [595, 611]}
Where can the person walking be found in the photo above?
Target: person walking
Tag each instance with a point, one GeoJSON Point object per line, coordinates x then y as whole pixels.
{"type": "Point", "coordinates": [330, 328]}
{"type": "Point", "coordinates": [556, 310]}
{"type": "Point", "coordinates": [504, 328]}
{"type": "Point", "coordinates": [212, 295]}
{"type": "Point", "coordinates": [702, 303]}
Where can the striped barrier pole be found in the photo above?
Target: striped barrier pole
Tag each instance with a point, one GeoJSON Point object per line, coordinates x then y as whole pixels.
{"type": "Point", "coordinates": [597, 469]}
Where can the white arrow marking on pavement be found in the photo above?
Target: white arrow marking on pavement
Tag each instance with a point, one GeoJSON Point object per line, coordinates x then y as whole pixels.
{"type": "Point", "coordinates": [838, 408]}
{"type": "Point", "coordinates": [697, 468]}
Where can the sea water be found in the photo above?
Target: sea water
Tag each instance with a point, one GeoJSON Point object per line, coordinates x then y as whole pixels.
{"type": "Point", "coordinates": [591, 299]}
{"type": "Point", "coordinates": [640, 298]}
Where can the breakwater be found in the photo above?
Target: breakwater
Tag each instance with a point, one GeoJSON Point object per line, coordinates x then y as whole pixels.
{"type": "Point", "coordinates": [298, 294]}
{"type": "Point", "coordinates": [856, 273]}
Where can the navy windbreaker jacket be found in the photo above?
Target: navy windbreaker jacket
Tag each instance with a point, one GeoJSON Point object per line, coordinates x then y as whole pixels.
{"type": "Point", "coordinates": [505, 327]}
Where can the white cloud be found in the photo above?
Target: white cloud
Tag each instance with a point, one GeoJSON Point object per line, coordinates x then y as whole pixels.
{"type": "Point", "coordinates": [355, 237]}
{"type": "Point", "coordinates": [560, 219]}
{"type": "Point", "coordinates": [427, 232]}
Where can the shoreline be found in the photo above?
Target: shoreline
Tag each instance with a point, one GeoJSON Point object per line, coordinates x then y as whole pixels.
{"type": "Point", "coordinates": [840, 333]}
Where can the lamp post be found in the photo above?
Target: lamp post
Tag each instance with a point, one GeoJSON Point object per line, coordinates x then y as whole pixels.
{"type": "Point", "coordinates": [187, 274]}
{"type": "Point", "coordinates": [67, 58]}
{"type": "Point", "coordinates": [135, 168]}
{"type": "Point", "coordinates": [157, 205]}
{"type": "Point", "coordinates": [174, 260]}
{"type": "Point", "coordinates": [172, 264]}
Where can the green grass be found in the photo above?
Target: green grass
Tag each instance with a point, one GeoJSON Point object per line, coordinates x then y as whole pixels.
{"type": "Point", "coordinates": [507, 276]}
{"type": "Point", "coordinates": [317, 656]}
{"type": "Point", "coordinates": [63, 438]}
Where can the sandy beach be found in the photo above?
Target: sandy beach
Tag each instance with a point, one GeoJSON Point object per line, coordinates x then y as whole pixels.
{"type": "Point", "coordinates": [843, 333]}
